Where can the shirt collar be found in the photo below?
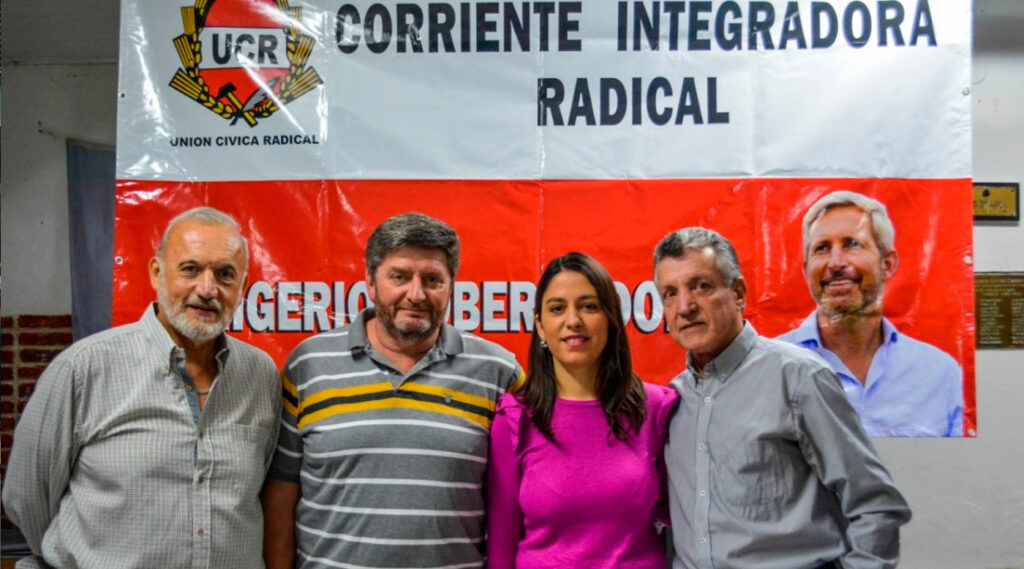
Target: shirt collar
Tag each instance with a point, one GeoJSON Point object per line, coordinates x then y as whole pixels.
{"type": "Point", "coordinates": [889, 333]}
{"type": "Point", "coordinates": [165, 344]}
{"type": "Point", "coordinates": [809, 334]}
{"type": "Point", "coordinates": [731, 357]}
{"type": "Point", "coordinates": [358, 341]}
{"type": "Point", "coordinates": [449, 342]}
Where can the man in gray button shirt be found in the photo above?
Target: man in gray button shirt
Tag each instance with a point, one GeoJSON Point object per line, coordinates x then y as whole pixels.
{"type": "Point", "coordinates": [769, 467]}
{"type": "Point", "coordinates": [146, 445]}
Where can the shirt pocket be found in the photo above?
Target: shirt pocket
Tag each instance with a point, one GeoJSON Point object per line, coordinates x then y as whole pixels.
{"type": "Point", "coordinates": [243, 457]}
{"type": "Point", "coordinates": [753, 474]}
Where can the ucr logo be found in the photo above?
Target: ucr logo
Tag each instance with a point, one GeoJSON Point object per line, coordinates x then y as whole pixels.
{"type": "Point", "coordinates": [243, 59]}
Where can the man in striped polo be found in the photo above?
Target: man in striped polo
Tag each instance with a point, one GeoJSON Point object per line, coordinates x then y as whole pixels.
{"type": "Point", "coordinates": [383, 446]}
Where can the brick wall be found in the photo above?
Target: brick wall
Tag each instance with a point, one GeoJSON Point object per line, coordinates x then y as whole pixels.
{"type": "Point", "coordinates": [29, 343]}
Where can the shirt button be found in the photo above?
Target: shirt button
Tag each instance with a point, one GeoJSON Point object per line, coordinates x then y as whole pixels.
{"type": "Point", "coordinates": [702, 446]}
{"type": "Point", "coordinates": [188, 388]}
{"type": "Point", "coordinates": [702, 540]}
{"type": "Point", "coordinates": [702, 493]}
{"type": "Point", "coordinates": [707, 400]}
{"type": "Point", "coordinates": [201, 532]}
{"type": "Point", "coordinates": [200, 434]}
{"type": "Point", "coordinates": [200, 480]}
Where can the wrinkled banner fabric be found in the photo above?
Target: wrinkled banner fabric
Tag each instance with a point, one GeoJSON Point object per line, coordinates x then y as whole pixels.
{"type": "Point", "coordinates": [537, 128]}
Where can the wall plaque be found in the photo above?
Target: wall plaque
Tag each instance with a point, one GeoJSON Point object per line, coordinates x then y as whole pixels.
{"type": "Point", "coordinates": [997, 201]}
{"type": "Point", "coordinates": [999, 306]}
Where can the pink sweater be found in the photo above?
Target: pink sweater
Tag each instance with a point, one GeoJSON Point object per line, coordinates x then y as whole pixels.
{"type": "Point", "coordinates": [588, 502]}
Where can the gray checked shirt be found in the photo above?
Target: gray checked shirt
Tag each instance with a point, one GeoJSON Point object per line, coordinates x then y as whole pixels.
{"type": "Point", "coordinates": [769, 467]}
{"type": "Point", "coordinates": [110, 470]}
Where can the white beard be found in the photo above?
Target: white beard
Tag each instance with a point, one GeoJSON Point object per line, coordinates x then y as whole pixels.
{"type": "Point", "coordinates": [179, 320]}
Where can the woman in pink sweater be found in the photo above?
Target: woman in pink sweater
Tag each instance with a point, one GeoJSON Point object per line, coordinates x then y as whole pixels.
{"type": "Point", "coordinates": [576, 477]}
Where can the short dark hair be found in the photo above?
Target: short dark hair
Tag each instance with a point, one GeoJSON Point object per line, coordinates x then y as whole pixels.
{"type": "Point", "coordinates": [620, 391]}
{"type": "Point", "coordinates": [412, 230]}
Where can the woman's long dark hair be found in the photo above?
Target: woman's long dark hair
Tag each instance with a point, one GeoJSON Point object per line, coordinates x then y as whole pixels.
{"type": "Point", "coordinates": [619, 390]}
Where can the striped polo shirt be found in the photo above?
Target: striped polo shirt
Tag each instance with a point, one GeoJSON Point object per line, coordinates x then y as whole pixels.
{"type": "Point", "coordinates": [391, 466]}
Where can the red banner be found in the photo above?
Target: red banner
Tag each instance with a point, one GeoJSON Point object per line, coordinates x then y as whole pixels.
{"type": "Point", "coordinates": [307, 240]}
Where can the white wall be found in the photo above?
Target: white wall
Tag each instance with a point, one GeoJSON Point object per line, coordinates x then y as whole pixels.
{"type": "Point", "coordinates": [59, 82]}
{"type": "Point", "coordinates": [967, 495]}
{"type": "Point", "coordinates": [44, 106]}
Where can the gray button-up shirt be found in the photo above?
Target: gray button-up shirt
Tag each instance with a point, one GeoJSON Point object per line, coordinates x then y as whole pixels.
{"type": "Point", "coordinates": [769, 467]}
{"type": "Point", "coordinates": [110, 470]}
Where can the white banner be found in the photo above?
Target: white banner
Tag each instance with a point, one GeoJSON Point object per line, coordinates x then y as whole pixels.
{"type": "Point", "coordinates": [543, 90]}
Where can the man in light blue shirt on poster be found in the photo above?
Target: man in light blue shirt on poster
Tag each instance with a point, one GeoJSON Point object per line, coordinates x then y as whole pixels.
{"type": "Point", "coordinates": [900, 387]}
